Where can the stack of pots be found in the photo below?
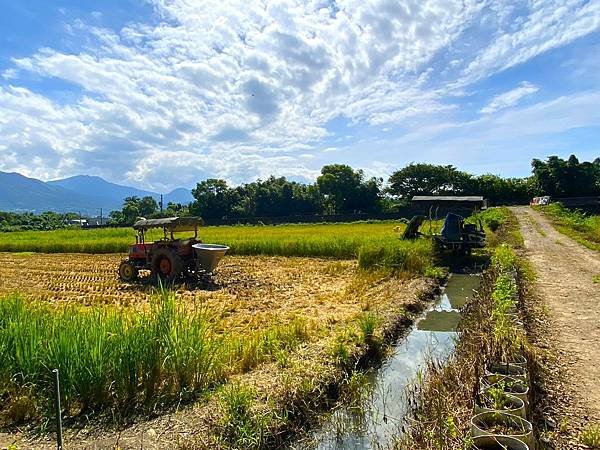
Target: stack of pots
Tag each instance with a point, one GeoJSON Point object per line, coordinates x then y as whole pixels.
{"type": "Point", "coordinates": [502, 406]}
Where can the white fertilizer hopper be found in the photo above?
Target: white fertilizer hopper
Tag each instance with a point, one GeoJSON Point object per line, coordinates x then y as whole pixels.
{"type": "Point", "coordinates": [208, 256]}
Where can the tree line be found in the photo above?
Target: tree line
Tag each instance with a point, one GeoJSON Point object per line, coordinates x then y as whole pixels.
{"type": "Point", "coordinates": [340, 189]}
{"type": "Point", "coordinates": [49, 220]}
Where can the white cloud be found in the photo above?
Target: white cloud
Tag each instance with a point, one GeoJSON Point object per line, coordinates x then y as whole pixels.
{"type": "Point", "coordinates": [549, 24]}
{"type": "Point", "coordinates": [10, 74]}
{"type": "Point", "coordinates": [241, 89]}
{"type": "Point", "coordinates": [510, 98]}
{"type": "Point", "coordinates": [497, 141]}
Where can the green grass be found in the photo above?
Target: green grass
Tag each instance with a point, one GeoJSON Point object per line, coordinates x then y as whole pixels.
{"type": "Point", "coordinates": [242, 425]}
{"type": "Point", "coordinates": [122, 359]}
{"type": "Point", "coordinates": [590, 436]}
{"type": "Point", "coordinates": [407, 256]}
{"type": "Point", "coordinates": [336, 240]}
{"type": "Point", "coordinates": [375, 244]}
{"type": "Point", "coordinates": [501, 227]}
{"type": "Point", "coordinates": [579, 226]}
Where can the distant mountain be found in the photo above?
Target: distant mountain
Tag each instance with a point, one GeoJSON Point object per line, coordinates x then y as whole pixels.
{"type": "Point", "coordinates": [99, 187]}
{"type": "Point", "coordinates": [180, 195]}
{"type": "Point", "coordinates": [20, 193]}
{"type": "Point", "coordinates": [82, 193]}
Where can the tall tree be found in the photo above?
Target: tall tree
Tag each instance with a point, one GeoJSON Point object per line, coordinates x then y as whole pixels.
{"type": "Point", "coordinates": [147, 206]}
{"type": "Point", "coordinates": [346, 190]}
{"type": "Point", "coordinates": [559, 178]}
{"type": "Point", "coordinates": [131, 210]}
{"type": "Point", "coordinates": [428, 179]}
{"type": "Point", "coordinates": [213, 199]}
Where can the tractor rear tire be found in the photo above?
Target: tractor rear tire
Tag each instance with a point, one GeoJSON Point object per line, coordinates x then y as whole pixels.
{"type": "Point", "coordinates": [127, 271]}
{"type": "Point", "coordinates": [166, 265]}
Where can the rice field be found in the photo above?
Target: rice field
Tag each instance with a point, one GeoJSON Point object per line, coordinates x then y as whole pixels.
{"type": "Point", "coordinates": [285, 297]}
{"type": "Point", "coordinates": [329, 240]}
{"type": "Point", "coordinates": [126, 347]}
{"type": "Point", "coordinates": [251, 290]}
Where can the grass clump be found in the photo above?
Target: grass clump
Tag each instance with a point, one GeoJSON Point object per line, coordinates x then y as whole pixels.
{"type": "Point", "coordinates": [576, 224]}
{"type": "Point", "coordinates": [121, 359]}
{"type": "Point", "coordinates": [107, 357]}
{"type": "Point", "coordinates": [590, 436]}
{"type": "Point", "coordinates": [242, 424]}
{"type": "Point", "coordinates": [404, 256]}
{"type": "Point", "coordinates": [501, 227]}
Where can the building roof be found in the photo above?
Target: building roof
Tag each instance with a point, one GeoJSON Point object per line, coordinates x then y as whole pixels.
{"type": "Point", "coordinates": [171, 223]}
{"type": "Point", "coordinates": [447, 198]}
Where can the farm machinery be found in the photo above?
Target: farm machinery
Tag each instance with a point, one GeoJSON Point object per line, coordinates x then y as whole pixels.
{"type": "Point", "coordinates": [171, 258]}
{"type": "Point", "coordinates": [456, 235]}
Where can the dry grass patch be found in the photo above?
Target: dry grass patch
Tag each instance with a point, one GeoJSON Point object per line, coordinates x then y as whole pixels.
{"type": "Point", "coordinates": [252, 291]}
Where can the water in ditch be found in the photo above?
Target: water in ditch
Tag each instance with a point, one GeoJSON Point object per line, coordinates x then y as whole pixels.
{"type": "Point", "coordinates": [378, 416]}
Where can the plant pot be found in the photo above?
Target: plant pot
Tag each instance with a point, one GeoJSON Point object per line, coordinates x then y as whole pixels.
{"type": "Point", "coordinates": [514, 405]}
{"type": "Point", "coordinates": [518, 388]}
{"type": "Point", "coordinates": [498, 442]}
{"type": "Point", "coordinates": [517, 360]}
{"type": "Point", "coordinates": [509, 369]}
{"type": "Point", "coordinates": [491, 423]}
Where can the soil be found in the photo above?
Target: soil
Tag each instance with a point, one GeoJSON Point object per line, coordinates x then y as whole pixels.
{"type": "Point", "coordinates": [565, 327]}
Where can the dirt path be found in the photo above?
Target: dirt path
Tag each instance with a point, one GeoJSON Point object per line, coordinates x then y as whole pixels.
{"type": "Point", "coordinates": [565, 285]}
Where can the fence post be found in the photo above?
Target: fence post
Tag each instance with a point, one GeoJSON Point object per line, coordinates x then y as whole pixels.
{"type": "Point", "coordinates": [59, 438]}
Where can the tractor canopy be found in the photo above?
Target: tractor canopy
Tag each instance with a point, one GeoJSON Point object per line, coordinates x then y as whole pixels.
{"type": "Point", "coordinates": [172, 224]}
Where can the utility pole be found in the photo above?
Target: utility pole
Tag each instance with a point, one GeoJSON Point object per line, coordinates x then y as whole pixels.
{"type": "Point", "coordinates": [101, 217]}
{"type": "Point", "coordinates": [161, 203]}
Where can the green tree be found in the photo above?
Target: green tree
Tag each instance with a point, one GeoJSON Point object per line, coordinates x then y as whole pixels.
{"type": "Point", "coordinates": [502, 191]}
{"type": "Point", "coordinates": [346, 190]}
{"type": "Point", "coordinates": [147, 206]}
{"type": "Point", "coordinates": [131, 210]}
{"type": "Point", "coordinates": [213, 199]}
{"type": "Point", "coordinates": [428, 179]}
{"type": "Point", "coordinates": [559, 178]}
{"type": "Point", "coordinates": [176, 210]}
{"type": "Point", "coordinates": [276, 197]}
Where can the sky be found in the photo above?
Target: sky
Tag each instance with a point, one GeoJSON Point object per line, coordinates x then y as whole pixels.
{"type": "Point", "coordinates": [164, 93]}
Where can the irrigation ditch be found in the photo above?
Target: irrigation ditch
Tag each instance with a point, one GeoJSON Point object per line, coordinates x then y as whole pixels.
{"type": "Point", "coordinates": [483, 397]}
{"type": "Point", "coordinates": [464, 376]}
{"type": "Point", "coordinates": [371, 418]}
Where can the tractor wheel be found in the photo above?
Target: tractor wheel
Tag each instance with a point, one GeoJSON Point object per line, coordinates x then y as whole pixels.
{"type": "Point", "coordinates": [166, 265]}
{"type": "Point", "coordinates": [127, 271]}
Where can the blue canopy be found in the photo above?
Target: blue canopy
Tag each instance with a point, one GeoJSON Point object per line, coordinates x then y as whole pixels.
{"type": "Point", "coordinates": [451, 228]}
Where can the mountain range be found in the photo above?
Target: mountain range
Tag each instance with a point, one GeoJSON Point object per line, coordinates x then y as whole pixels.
{"type": "Point", "coordinates": [82, 193]}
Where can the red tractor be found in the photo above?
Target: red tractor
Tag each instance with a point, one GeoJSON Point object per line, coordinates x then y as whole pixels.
{"type": "Point", "coordinates": [170, 258]}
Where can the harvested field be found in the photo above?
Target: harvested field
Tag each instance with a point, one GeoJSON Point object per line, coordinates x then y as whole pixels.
{"type": "Point", "coordinates": [250, 291]}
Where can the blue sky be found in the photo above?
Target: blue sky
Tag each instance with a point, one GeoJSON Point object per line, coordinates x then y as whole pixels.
{"type": "Point", "coordinates": [164, 93]}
